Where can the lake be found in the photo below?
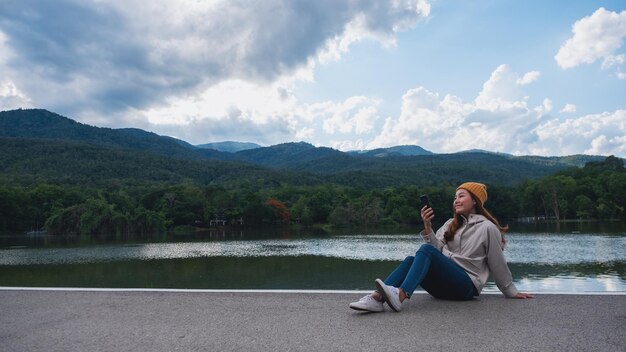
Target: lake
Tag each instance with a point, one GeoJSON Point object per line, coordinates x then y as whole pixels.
{"type": "Point", "coordinates": [569, 257]}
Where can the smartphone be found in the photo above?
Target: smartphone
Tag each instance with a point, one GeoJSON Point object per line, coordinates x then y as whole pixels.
{"type": "Point", "coordinates": [424, 201]}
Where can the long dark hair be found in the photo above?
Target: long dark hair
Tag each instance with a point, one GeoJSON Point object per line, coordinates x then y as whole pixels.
{"type": "Point", "coordinates": [480, 209]}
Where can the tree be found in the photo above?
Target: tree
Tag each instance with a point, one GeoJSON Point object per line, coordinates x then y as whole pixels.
{"type": "Point", "coordinates": [323, 200]}
{"type": "Point", "coordinates": [584, 207]}
{"type": "Point", "coordinates": [146, 221]}
{"type": "Point", "coordinates": [65, 221]}
{"type": "Point", "coordinates": [555, 192]}
{"type": "Point", "coordinates": [342, 215]}
{"type": "Point", "coordinates": [301, 211]}
{"type": "Point", "coordinates": [98, 217]}
{"type": "Point", "coordinates": [280, 210]}
{"type": "Point", "coordinates": [13, 205]}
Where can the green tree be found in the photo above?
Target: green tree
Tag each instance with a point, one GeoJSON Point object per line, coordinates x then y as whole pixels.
{"type": "Point", "coordinates": [14, 203]}
{"type": "Point", "coordinates": [301, 211]}
{"type": "Point", "coordinates": [584, 207]}
{"type": "Point", "coordinates": [555, 192]}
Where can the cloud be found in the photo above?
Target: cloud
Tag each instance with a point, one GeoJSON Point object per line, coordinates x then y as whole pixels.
{"type": "Point", "coordinates": [528, 78]}
{"type": "Point", "coordinates": [11, 97]}
{"type": "Point", "coordinates": [197, 131]}
{"type": "Point", "coordinates": [612, 60]}
{"type": "Point", "coordinates": [126, 55]}
{"type": "Point", "coordinates": [499, 119]}
{"type": "Point", "coordinates": [544, 108]}
{"type": "Point", "coordinates": [232, 109]}
{"type": "Point", "coordinates": [599, 134]}
{"type": "Point", "coordinates": [568, 108]}
{"type": "Point", "coordinates": [426, 120]}
{"type": "Point", "coordinates": [266, 114]}
{"type": "Point", "coordinates": [5, 50]}
{"type": "Point", "coordinates": [595, 37]}
{"type": "Point", "coordinates": [361, 27]}
{"type": "Point", "coordinates": [504, 89]}
{"type": "Point", "coordinates": [355, 115]}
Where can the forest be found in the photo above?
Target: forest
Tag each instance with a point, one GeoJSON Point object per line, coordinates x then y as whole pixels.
{"type": "Point", "coordinates": [595, 191]}
{"type": "Point", "coordinates": [70, 178]}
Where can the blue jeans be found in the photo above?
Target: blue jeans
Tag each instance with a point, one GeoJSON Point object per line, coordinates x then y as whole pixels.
{"type": "Point", "coordinates": [436, 273]}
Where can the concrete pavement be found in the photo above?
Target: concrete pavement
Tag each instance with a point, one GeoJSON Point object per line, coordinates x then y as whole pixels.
{"type": "Point", "coordinates": [303, 321]}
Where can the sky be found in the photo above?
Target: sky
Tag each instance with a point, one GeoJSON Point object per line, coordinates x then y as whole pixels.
{"type": "Point", "coordinates": [533, 77]}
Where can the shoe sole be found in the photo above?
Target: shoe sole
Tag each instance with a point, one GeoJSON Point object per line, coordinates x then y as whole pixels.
{"type": "Point", "coordinates": [381, 289]}
{"type": "Point", "coordinates": [367, 310]}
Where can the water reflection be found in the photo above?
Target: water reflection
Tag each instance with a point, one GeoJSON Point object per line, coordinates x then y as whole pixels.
{"type": "Point", "coordinates": [522, 248]}
{"type": "Point", "coordinates": [569, 284]}
{"type": "Point", "coordinates": [539, 261]}
{"type": "Point", "coordinates": [569, 248]}
{"type": "Point", "coordinates": [286, 272]}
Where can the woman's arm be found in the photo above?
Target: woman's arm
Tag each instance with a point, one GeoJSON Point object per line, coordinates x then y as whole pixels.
{"type": "Point", "coordinates": [427, 216]}
{"type": "Point", "coordinates": [498, 266]}
{"type": "Point", "coordinates": [497, 263]}
{"type": "Point", "coordinates": [427, 234]}
{"type": "Point", "coordinates": [522, 295]}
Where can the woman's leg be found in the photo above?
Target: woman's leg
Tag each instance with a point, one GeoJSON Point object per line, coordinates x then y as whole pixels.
{"type": "Point", "coordinates": [396, 278]}
{"type": "Point", "coordinates": [447, 280]}
{"type": "Point", "coordinates": [438, 275]}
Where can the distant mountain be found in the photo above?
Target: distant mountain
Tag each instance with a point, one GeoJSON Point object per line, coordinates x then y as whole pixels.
{"type": "Point", "coordinates": [427, 169]}
{"type": "Point", "coordinates": [38, 123]}
{"type": "Point", "coordinates": [483, 151]}
{"type": "Point", "coordinates": [23, 160]}
{"type": "Point", "coordinates": [104, 153]}
{"type": "Point", "coordinates": [401, 150]}
{"type": "Point", "coordinates": [368, 171]}
{"type": "Point", "coordinates": [286, 155]}
{"type": "Point", "coordinates": [229, 146]}
{"type": "Point", "coordinates": [577, 160]}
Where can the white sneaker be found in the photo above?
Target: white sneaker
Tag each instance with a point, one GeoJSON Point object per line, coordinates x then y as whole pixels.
{"type": "Point", "coordinates": [390, 294]}
{"type": "Point", "coordinates": [368, 304]}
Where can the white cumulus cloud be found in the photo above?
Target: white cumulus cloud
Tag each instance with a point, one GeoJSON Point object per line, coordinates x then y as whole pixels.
{"type": "Point", "coordinates": [499, 119]}
{"type": "Point", "coordinates": [612, 60]}
{"type": "Point", "coordinates": [595, 37]}
{"type": "Point", "coordinates": [355, 115]}
{"type": "Point", "coordinates": [503, 90]}
{"type": "Point", "coordinates": [600, 134]}
{"type": "Point", "coordinates": [528, 78]}
{"type": "Point", "coordinates": [11, 97]}
{"type": "Point", "coordinates": [544, 108]}
{"type": "Point", "coordinates": [120, 57]}
{"type": "Point", "coordinates": [568, 108]}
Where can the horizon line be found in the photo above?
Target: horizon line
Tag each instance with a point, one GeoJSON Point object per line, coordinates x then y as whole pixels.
{"type": "Point", "coordinates": [286, 291]}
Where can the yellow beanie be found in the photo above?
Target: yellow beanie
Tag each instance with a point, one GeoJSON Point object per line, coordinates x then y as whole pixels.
{"type": "Point", "coordinates": [479, 190]}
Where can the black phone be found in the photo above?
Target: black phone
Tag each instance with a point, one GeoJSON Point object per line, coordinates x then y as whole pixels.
{"type": "Point", "coordinates": [424, 201]}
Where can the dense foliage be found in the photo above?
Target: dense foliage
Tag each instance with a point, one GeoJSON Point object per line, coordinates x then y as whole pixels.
{"type": "Point", "coordinates": [76, 179]}
{"type": "Point", "coordinates": [42, 142]}
{"type": "Point", "coordinates": [596, 191]}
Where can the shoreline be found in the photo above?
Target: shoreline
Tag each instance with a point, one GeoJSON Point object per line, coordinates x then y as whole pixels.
{"type": "Point", "coordinates": [281, 291]}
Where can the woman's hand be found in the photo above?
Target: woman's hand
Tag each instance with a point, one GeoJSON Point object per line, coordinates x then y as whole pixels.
{"type": "Point", "coordinates": [522, 295]}
{"type": "Point", "coordinates": [427, 215]}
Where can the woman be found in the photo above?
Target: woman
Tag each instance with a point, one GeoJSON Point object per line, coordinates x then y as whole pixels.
{"type": "Point", "coordinates": [455, 262]}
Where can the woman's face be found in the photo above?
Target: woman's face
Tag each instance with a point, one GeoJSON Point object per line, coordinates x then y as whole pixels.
{"type": "Point", "coordinates": [463, 203]}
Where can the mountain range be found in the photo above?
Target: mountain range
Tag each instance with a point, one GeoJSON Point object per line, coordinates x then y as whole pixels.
{"type": "Point", "coordinates": [36, 141]}
{"type": "Point", "coordinates": [229, 146]}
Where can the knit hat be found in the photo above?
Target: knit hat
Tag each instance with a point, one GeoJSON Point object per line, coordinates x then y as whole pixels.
{"type": "Point", "coordinates": [479, 190]}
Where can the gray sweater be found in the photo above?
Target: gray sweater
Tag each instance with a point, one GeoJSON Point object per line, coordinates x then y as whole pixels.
{"type": "Point", "coordinates": [477, 248]}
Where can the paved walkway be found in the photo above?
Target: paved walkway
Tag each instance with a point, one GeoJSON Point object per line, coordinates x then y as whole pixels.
{"type": "Point", "coordinates": [288, 321]}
